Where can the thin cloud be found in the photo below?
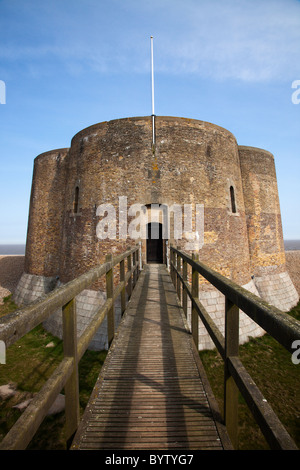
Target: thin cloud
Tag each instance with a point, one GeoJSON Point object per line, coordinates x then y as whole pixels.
{"type": "Point", "coordinates": [244, 40]}
{"type": "Point", "coordinates": [240, 40]}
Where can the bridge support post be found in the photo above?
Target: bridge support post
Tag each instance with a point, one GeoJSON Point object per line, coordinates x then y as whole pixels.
{"type": "Point", "coordinates": [137, 259]}
{"type": "Point", "coordinates": [174, 277]}
{"type": "Point", "coordinates": [109, 295]}
{"type": "Point", "coordinates": [179, 272]}
{"type": "Point", "coordinates": [129, 262]}
{"type": "Point", "coordinates": [195, 295]}
{"type": "Point", "coordinates": [134, 275]}
{"type": "Point", "coordinates": [123, 291]}
{"type": "Point", "coordinates": [231, 392]}
{"type": "Point", "coordinates": [72, 412]}
{"type": "Point", "coordinates": [184, 293]}
{"type": "Point", "coordinates": [171, 264]}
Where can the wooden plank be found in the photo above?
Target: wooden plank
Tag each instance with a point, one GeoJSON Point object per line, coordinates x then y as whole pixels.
{"type": "Point", "coordinates": [72, 412]}
{"type": "Point", "coordinates": [231, 392]}
{"type": "Point", "coordinates": [150, 394]}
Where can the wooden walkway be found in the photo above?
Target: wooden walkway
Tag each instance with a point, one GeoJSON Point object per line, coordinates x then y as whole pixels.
{"type": "Point", "coordinates": [152, 393]}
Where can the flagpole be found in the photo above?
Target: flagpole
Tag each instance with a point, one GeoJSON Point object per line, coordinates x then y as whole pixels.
{"type": "Point", "coordinates": [152, 87]}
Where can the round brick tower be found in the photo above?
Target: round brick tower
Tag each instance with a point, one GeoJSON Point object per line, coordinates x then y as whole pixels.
{"type": "Point", "coordinates": [45, 216]}
{"type": "Point", "coordinates": [267, 255]}
{"type": "Point", "coordinates": [194, 162]}
{"type": "Point", "coordinates": [112, 168]}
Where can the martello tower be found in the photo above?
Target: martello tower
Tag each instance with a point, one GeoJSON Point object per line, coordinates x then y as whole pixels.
{"type": "Point", "coordinates": [194, 163]}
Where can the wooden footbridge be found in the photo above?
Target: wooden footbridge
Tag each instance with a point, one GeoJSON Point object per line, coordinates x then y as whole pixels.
{"type": "Point", "coordinates": [150, 395]}
{"type": "Point", "coordinates": [152, 392]}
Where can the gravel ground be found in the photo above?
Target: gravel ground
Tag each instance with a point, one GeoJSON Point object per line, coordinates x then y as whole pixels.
{"type": "Point", "coordinates": [11, 268]}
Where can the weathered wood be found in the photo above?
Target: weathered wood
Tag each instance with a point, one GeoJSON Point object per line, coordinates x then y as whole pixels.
{"type": "Point", "coordinates": [231, 392]}
{"type": "Point", "coordinates": [24, 429]}
{"type": "Point", "coordinates": [94, 325]}
{"type": "Point", "coordinates": [129, 267]}
{"type": "Point", "coordinates": [109, 295]}
{"type": "Point", "coordinates": [184, 292]}
{"type": "Point", "coordinates": [178, 262]}
{"type": "Point", "coordinates": [281, 326]}
{"type": "Point", "coordinates": [72, 412]}
{"type": "Point", "coordinates": [211, 327]}
{"type": "Point", "coordinates": [123, 291]}
{"type": "Point", "coordinates": [15, 325]}
{"type": "Point", "coordinates": [273, 430]}
{"type": "Point", "coordinates": [150, 393]}
{"type": "Point", "coordinates": [195, 295]}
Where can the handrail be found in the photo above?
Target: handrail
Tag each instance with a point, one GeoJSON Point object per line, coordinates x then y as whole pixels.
{"type": "Point", "coordinates": [18, 323]}
{"type": "Point", "coordinates": [284, 328]}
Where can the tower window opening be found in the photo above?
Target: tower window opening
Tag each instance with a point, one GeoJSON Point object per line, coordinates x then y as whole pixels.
{"type": "Point", "coordinates": [232, 197]}
{"type": "Point", "coordinates": [76, 199]}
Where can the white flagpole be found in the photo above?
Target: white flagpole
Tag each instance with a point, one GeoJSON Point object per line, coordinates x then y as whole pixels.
{"type": "Point", "coordinates": [152, 76]}
{"type": "Point", "coordinates": [152, 81]}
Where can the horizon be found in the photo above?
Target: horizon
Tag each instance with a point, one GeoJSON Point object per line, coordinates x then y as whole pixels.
{"type": "Point", "coordinates": [16, 248]}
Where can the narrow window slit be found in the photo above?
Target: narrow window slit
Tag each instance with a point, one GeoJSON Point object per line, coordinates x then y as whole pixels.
{"type": "Point", "coordinates": [232, 197]}
{"type": "Point", "coordinates": [76, 199]}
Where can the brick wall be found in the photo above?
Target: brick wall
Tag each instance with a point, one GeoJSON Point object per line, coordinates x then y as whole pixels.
{"type": "Point", "coordinates": [194, 162]}
{"type": "Point", "coordinates": [45, 224]}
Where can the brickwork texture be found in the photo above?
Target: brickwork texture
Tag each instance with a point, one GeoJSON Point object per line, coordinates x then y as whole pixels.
{"type": "Point", "coordinates": [193, 162]}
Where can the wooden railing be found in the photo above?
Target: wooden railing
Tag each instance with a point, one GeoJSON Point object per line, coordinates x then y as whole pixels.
{"type": "Point", "coordinates": [16, 324]}
{"type": "Point", "coordinates": [281, 326]}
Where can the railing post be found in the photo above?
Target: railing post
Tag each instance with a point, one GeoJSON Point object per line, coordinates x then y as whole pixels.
{"type": "Point", "coordinates": [140, 257]}
{"type": "Point", "coordinates": [195, 295]}
{"type": "Point", "coordinates": [175, 270]}
{"type": "Point", "coordinates": [72, 412]}
{"type": "Point", "coordinates": [167, 255]}
{"type": "Point", "coordinates": [130, 279]}
{"type": "Point", "coordinates": [184, 293]}
{"type": "Point", "coordinates": [134, 272]}
{"type": "Point", "coordinates": [171, 266]}
{"type": "Point", "coordinates": [177, 277]}
{"type": "Point", "coordinates": [123, 291]}
{"type": "Point", "coordinates": [109, 295]}
{"type": "Point", "coordinates": [137, 263]}
{"type": "Point", "coordinates": [231, 392]}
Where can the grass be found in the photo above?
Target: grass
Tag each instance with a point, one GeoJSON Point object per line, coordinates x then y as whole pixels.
{"type": "Point", "coordinates": [7, 306]}
{"type": "Point", "coordinates": [29, 363]}
{"type": "Point", "coordinates": [273, 371]}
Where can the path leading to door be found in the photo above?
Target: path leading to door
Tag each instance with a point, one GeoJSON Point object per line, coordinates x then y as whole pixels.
{"type": "Point", "coordinates": [151, 393]}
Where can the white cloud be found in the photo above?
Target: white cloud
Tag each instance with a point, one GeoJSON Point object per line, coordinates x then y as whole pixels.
{"type": "Point", "coordinates": [248, 40]}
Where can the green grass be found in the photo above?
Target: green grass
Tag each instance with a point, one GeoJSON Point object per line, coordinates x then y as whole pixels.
{"type": "Point", "coordinates": [8, 306]}
{"type": "Point", "coordinates": [273, 371]}
{"type": "Point", "coordinates": [29, 363]}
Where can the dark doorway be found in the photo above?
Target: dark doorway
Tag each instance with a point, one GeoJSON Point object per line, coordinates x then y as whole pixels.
{"type": "Point", "coordinates": [154, 243]}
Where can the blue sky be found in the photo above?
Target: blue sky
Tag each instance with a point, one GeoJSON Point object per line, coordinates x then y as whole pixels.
{"type": "Point", "coordinates": [70, 64]}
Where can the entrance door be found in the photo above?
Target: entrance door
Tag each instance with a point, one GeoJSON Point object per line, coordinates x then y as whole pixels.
{"type": "Point", "coordinates": [154, 243]}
